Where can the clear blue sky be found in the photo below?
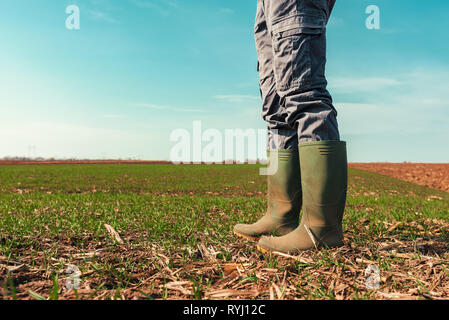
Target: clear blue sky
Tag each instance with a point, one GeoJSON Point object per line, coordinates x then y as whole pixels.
{"type": "Point", "coordinates": [138, 69]}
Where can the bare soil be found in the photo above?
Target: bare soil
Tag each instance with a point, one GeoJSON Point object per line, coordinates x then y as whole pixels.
{"type": "Point", "coordinates": [432, 175]}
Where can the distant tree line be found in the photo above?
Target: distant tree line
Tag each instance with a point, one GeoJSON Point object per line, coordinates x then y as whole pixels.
{"type": "Point", "coordinates": [10, 158]}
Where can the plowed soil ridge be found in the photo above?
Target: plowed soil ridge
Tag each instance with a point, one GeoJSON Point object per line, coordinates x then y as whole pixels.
{"type": "Point", "coordinates": [432, 175]}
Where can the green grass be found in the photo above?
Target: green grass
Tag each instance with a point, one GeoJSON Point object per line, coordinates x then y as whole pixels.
{"type": "Point", "coordinates": [48, 214]}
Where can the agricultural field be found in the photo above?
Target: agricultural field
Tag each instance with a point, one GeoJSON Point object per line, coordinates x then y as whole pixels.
{"type": "Point", "coordinates": [432, 175]}
{"type": "Point", "coordinates": [141, 231]}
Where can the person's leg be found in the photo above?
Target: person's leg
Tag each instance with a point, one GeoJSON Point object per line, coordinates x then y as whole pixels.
{"type": "Point", "coordinates": [298, 29]}
{"type": "Point", "coordinates": [280, 134]}
{"type": "Point", "coordinates": [284, 187]}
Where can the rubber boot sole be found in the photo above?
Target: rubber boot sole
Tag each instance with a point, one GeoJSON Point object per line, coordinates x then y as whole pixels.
{"type": "Point", "coordinates": [274, 252]}
{"type": "Point", "coordinates": [268, 251]}
{"type": "Point", "coordinates": [264, 251]}
{"type": "Point", "coordinates": [246, 237]}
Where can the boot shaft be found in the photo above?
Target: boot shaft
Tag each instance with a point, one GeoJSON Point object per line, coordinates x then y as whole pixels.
{"type": "Point", "coordinates": [324, 178]}
{"type": "Point", "coordinates": [284, 186]}
{"type": "Point", "coordinates": [323, 172]}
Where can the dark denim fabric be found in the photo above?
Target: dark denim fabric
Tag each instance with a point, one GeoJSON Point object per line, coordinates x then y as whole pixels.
{"type": "Point", "coordinates": [291, 45]}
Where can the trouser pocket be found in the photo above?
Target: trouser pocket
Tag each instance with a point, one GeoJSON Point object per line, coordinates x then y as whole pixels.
{"type": "Point", "coordinates": [299, 47]}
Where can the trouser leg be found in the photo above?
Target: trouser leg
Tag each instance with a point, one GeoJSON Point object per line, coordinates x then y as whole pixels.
{"type": "Point", "coordinates": [280, 134]}
{"type": "Point", "coordinates": [284, 186]}
{"type": "Point", "coordinates": [297, 29]}
{"type": "Point", "coordinates": [298, 32]}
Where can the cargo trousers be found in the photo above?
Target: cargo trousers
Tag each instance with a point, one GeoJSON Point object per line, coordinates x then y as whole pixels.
{"type": "Point", "coordinates": [290, 39]}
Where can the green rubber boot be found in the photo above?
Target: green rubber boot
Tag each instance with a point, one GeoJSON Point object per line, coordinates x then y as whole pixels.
{"type": "Point", "coordinates": [324, 179]}
{"type": "Point", "coordinates": [284, 199]}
